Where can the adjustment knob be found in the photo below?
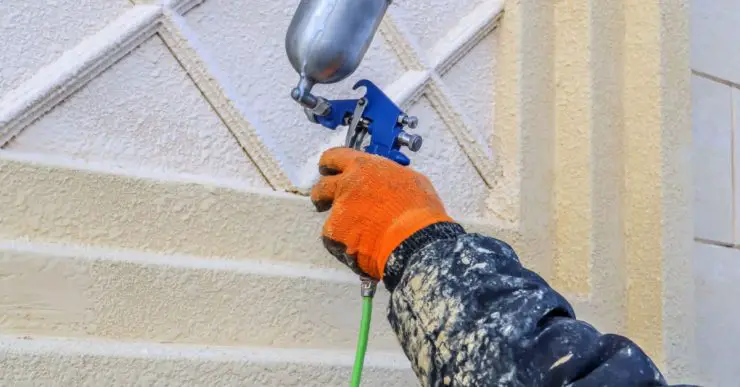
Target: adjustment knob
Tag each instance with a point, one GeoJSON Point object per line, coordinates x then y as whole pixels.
{"type": "Point", "coordinates": [409, 121]}
{"type": "Point", "coordinates": [412, 141]}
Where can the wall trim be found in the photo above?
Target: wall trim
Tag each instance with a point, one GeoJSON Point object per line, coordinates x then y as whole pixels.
{"type": "Point", "coordinates": [173, 214]}
{"type": "Point", "coordinates": [74, 69]}
{"type": "Point", "coordinates": [468, 32]}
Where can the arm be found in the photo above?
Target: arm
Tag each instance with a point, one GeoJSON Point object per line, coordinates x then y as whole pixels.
{"type": "Point", "coordinates": [468, 314]}
{"type": "Point", "coordinates": [465, 310]}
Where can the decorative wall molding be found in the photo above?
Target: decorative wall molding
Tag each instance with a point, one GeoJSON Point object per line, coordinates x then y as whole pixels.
{"type": "Point", "coordinates": [73, 70]}
{"type": "Point", "coordinates": [57, 81]}
{"type": "Point", "coordinates": [457, 123]}
{"type": "Point", "coordinates": [468, 32]}
{"type": "Point", "coordinates": [186, 48]}
{"type": "Point", "coordinates": [181, 7]}
{"type": "Point", "coordinates": [424, 75]}
{"type": "Point", "coordinates": [170, 214]}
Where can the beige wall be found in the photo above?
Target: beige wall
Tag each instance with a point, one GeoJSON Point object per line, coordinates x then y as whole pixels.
{"type": "Point", "coordinates": [593, 130]}
{"type": "Point", "coordinates": [715, 62]}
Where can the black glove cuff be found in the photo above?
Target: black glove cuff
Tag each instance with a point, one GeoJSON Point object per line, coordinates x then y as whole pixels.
{"type": "Point", "coordinates": [402, 254]}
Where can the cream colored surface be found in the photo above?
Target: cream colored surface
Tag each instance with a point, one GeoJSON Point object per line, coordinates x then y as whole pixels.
{"type": "Point", "coordinates": [95, 363]}
{"type": "Point", "coordinates": [61, 291]}
{"type": "Point", "coordinates": [586, 84]}
{"type": "Point", "coordinates": [161, 213]}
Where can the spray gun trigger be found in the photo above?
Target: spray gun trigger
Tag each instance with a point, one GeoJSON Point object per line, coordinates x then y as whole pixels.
{"type": "Point", "coordinates": [353, 130]}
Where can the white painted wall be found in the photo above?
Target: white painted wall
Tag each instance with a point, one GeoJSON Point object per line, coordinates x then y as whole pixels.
{"type": "Point", "coordinates": [144, 112]}
{"type": "Point", "coordinates": [716, 122]}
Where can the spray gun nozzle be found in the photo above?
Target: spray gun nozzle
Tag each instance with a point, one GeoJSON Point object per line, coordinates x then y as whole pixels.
{"type": "Point", "coordinates": [313, 104]}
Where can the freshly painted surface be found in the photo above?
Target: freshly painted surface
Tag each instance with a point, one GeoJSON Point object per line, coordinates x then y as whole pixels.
{"type": "Point", "coordinates": [142, 113]}
{"type": "Point", "coordinates": [467, 82]}
{"type": "Point", "coordinates": [254, 61]}
{"type": "Point", "coordinates": [35, 33]}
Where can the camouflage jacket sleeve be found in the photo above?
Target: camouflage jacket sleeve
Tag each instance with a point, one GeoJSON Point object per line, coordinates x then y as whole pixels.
{"type": "Point", "coordinates": [468, 314]}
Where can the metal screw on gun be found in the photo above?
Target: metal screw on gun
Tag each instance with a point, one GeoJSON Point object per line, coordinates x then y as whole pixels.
{"type": "Point", "coordinates": [409, 121]}
{"type": "Point", "coordinates": [412, 141]}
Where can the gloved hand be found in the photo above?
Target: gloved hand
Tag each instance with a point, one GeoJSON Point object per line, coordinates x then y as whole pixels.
{"type": "Point", "coordinates": [376, 203]}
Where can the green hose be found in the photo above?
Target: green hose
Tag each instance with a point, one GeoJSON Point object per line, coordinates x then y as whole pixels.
{"type": "Point", "coordinates": [367, 312]}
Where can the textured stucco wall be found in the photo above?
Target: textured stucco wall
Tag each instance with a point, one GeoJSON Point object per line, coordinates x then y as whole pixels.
{"type": "Point", "coordinates": [145, 113]}
{"type": "Point", "coordinates": [715, 62]}
{"type": "Point", "coordinates": [154, 225]}
{"type": "Point", "coordinates": [160, 166]}
{"type": "Point", "coordinates": [595, 149]}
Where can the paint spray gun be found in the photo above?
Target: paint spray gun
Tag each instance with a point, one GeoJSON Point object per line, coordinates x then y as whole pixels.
{"type": "Point", "coordinates": [325, 43]}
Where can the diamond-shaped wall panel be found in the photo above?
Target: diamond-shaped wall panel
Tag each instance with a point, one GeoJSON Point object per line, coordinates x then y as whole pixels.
{"type": "Point", "coordinates": [429, 21]}
{"type": "Point", "coordinates": [446, 164]}
{"type": "Point", "coordinates": [34, 33]}
{"type": "Point", "coordinates": [246, 42]}
{"type": "Point", "coordinates": [471, 83]}
{"type": "Point", "coordinates": [142, 113]}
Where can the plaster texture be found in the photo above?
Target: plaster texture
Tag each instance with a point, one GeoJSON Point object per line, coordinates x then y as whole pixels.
{"type": "Point", "coordinates": [218, 26]}
{"type": "Point", "coordinates": [93, 363]}
{"type": "Point", "coordinates": [31, 35]}
{"type": "Point", "coordinates": [254, 62]}
{"type": "Point", "coordinates": [457, 183]}
{"type": "Point", "coordinates": [65, 291]}
{"type": "Point", "coordinates": [594, 158]}
{"type": "Point", "coordinates": [162, 213]}
{"type": "Point", "coordinates": [468, 84]}
{"type": "Point", "coordinates": [118, 119]}
{"type": "Point", "coordinates": [429, 22]}
{"type": "Point", "coordinates": [162, 168]}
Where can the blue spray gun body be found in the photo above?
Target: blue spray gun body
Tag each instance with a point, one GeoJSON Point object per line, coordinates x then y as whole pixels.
{"type": "Point", "coordinates": [375, 115]}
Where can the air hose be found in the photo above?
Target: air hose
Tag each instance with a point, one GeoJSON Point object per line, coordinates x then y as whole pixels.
{"type": "Point", "coordinates": [368, 287]}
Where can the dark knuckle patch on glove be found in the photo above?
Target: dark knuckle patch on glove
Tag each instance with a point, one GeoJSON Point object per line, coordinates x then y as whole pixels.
{"type": "Point", "coordinates": [339, 251]}
{"type": "Point", "coordinates": [326, 171]}
{"type": "Point", "coordinates": [322, 205]}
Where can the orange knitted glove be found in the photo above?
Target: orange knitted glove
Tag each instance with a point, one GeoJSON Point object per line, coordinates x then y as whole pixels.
{"type": "Point", "coordinates": [377, 204]}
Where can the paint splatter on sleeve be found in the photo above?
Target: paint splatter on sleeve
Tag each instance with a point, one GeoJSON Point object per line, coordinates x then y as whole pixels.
{"type": "Point", "coordinates": [468, 314]}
